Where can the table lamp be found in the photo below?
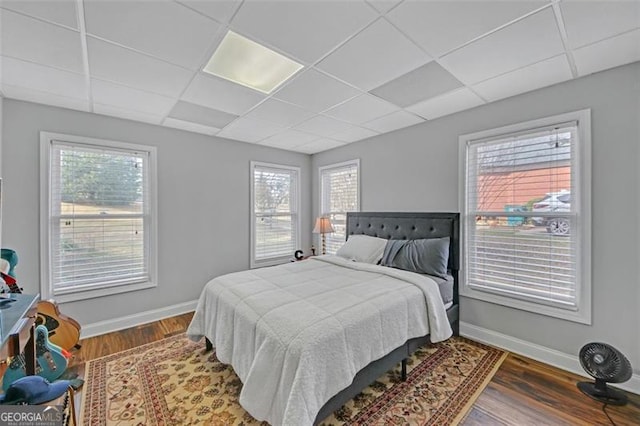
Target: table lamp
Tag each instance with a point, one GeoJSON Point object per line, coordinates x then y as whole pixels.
{"type": "Point", "coordinates": [323, 226]}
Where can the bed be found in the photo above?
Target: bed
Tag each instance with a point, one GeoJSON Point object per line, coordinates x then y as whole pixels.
{"type": "Point", "coordinates": [306, 337]}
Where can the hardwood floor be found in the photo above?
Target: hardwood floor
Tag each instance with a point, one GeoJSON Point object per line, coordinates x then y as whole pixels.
{"type": "Point", "coordinates": [96, 347]}
{"type": "Point", "coordinates": [522, 392]}
{"type": "Point", "coordinates": [527, 392]}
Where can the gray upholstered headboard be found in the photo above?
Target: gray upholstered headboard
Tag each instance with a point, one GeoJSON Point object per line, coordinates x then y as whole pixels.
{"type": "Point", "coordinates": [412, 226]}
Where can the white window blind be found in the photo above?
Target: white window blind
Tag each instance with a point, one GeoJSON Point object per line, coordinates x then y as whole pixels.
{"type": "Point", "coordinates": [276, 229]}
{"type": "Point", "coordinates": [522, 212]}
{"type": "Point", "coordinates": [339, 195]}
{"type": "Point", "coordinates": [99, 213]}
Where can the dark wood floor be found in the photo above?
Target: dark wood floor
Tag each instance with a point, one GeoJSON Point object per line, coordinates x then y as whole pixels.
{"type": "Point", "coordinates": [523, 391]}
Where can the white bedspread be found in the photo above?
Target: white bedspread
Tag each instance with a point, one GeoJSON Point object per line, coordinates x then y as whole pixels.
{"type": "Point", "coordinates": [297, 334]}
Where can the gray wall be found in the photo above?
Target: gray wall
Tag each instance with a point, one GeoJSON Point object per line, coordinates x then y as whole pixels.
{"type": "Point", "coordinates": [417, 169]}
{"type": "Point", "coordinates": [1, 103]}
{"type": "Point", "coordinates": [203, 202]}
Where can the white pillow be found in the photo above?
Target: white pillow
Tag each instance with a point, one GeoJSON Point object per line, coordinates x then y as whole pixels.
{"type": "Point", "coordinates": [363, 248]}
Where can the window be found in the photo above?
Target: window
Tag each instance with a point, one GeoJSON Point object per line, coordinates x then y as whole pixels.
{"type": "Point", "coordinates": [98, 217]}
{"type": "Point", "coordinates": [339, 194]}
{"type": "Point", "coordinates": [526, 205]}
{"type": "Point", "coordinates": [275, 222]}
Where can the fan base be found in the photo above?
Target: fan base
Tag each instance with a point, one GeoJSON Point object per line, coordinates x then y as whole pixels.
{"type": "Point", "coordinates": [607, 395]}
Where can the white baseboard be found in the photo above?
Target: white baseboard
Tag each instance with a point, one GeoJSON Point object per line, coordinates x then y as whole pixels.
{"type": "Point", "coordinates": [539, 353]}
{"type": "Point", "coordinates": [107, 326]}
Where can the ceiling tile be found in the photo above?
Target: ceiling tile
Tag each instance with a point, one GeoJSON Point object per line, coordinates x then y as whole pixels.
{"type": "Point", "coordinates": [32, 40]}
{"type": "Point", "coordinates": [279, 145]}
{"type": "Point", "coordinates": [323, 126]}
{"type": "Point", "coordinates": [126, 114]}
{"type": "Point", "coordinates": [590, 21]}
{"type": "Point", "coordinates": [378, 54]}
{"type": "Point", "coordinates": [166, 30]}
{"type": "Point", "coordinates": [127, 98]}
{"type": "Point", "coordinates": [318, 146]}
{"type": "Point", "coordinates": [315, 91]}
{"type": "Point", "coordinates": [114, 63]}
{"type": "Point", "coordinates": [383, 5]}
{"type": "Point", "coordinates": [354, 134]}
{"type": "Point", "coordinates": [393, 121]}
{"type": "Point", "coordinates": [61, 11]}
{"type": "Point", "coordinates": [288, 139]}
{"type": "Point", "coordinates": [362, 108]}
{"type": "Point", "coordinates": [220, 10]}
{"type": "Point", "coordinates": [305, 29]}
{"type": "Point", "coordinates": [422, 83]}
{"type": "Point", "coordinates": [46, 79]}
{"type": "Point", "coordinates": [528, 41]}
{"type": "Point", "coordinates": [250, 130]}
{"type": "Point", "coordinates": [202, 115]}
{"type": "Point", "coordinates": [446, 104]}
{"type": "Point", "coordinates": [280, 113]}
{"type": "Point", "coordinates": [190, 127]}
{"type": "Point", "coordinates": [608, 53]}
{"type": "Point", "coordinates": [221, 94]}
{"type": "Point", "coordinates": [440, 26]}
{"type": "Point", "coordinates": [525, 79]}
{"type": "Point", "coordinates": [45, 98]}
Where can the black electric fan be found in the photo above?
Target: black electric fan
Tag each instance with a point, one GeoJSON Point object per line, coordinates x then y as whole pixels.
{"type": "Point", "coordinates": [606, 364]}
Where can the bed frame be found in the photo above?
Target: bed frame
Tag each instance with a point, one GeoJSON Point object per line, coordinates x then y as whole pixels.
{"type": "Point", "coordinates": [401, 226]}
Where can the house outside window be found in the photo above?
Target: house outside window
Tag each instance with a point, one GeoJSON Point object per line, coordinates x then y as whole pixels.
{"type": "Point", "coordinates": [526, 207]}
{"type": "Point", "coordinates": [339, 194]}
{"type": "Point", "coordinates": [275, 218]}
{"type": "Point", "coordinates": [98, 217]}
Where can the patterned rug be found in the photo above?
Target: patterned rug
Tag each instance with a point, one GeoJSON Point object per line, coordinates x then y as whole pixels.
{"type": "Point", "coordinates": [174, 382]}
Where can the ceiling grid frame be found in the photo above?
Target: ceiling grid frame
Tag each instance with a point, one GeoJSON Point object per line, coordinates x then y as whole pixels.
{"type": "Point", "coordinates": [563, 35]}
{"type": "Point", "coordinates": [85, 51]}
{"type": "Point", "coordinates": [12, 86]}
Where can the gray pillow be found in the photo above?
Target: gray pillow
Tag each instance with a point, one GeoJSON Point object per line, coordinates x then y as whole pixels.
{"type": "Point", "coordinates": [427, 256]}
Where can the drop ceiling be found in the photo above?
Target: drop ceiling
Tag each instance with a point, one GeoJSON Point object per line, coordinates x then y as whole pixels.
{"type": "Point", "coordinates": [369, 67]}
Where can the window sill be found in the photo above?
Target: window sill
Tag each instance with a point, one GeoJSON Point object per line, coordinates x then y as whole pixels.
{"type": "Point", "coordinates": [582, 316]}
{"type": "Point", "coordinates": [270, 262]}
{"type": "Point", "coordinates": [75, 295]}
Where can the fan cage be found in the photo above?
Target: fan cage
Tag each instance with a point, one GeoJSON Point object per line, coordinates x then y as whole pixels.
{"type": "Point", "coordinates": [604, 362]}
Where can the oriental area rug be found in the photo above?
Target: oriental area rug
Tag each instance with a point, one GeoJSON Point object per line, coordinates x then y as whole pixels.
{"type": "Point", "coordinates": [175, 382]}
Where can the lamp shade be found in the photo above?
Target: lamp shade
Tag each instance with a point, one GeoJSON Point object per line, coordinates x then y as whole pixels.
{"type": "Point", "coordinates": [323, 226]}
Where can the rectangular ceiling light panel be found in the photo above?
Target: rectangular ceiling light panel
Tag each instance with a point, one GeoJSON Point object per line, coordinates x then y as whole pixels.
{"type": "Point", "coordinates": [246, 62]}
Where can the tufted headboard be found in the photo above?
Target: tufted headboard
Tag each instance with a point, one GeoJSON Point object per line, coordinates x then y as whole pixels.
{"type": "Point", "coordinates": [413, 226]}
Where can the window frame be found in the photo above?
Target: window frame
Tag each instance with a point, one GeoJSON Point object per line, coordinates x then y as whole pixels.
{"type": "Point", "coordinates": [46, 238]}
{"type": "Point", "coordinates": [581, 179]}
{"type": "Point", "coordinates": [342, 164]}
{"type": "Point", "coordinates": [253, 263]}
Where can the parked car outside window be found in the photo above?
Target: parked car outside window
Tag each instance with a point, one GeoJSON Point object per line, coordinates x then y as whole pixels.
{"type": "Point", "coordinates": [554, 202]}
